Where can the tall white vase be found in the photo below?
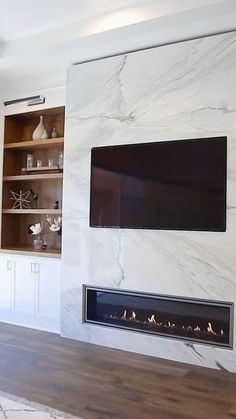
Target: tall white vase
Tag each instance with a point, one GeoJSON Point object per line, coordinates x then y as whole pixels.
{"type": "Point", "coordinates": [39, 130]}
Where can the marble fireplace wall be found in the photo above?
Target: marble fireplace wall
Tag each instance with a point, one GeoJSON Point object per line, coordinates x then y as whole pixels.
{"type": "Point", "coordinates": [184, 90]}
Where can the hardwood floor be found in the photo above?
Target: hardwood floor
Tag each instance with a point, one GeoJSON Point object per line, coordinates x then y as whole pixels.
{"type": "Point", "coordinates": [100, 383]}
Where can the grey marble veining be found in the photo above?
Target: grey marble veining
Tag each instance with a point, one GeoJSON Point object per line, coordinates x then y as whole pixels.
{"type": "Point", "coordinates": [186, 90]}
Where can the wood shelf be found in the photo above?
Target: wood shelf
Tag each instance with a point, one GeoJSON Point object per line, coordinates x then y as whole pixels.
{"type": "Point", "coordinates": [42, 176]}
{"type": "Point", "coordinates": [28, 251]}
{"type": "Point", "coordinates": [35, 144]}
{"type": "Point", "coordinates": [44, 182]}
{"type": "Point", "coordinates": [33, 211]}
{"type": "Point", "coordinates": [41, 170]}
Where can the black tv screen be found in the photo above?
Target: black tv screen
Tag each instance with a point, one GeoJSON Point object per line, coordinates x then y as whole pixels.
{"type": "Point", "coordinates": [167, 185]}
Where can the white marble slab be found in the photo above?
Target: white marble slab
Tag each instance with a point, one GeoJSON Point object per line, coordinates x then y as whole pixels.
{"type": "Point", "coordinates": [186, 90]}
{"type": "Point", "coordinates": [13, 407]}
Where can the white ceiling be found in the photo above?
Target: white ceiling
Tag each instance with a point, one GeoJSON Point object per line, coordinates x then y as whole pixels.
{"type": "Point", "coordinates": [40, 39]}
{"type": "Point", "coordinates": [23, 18]}
{"type": "Point", "coordinates": [20, 18]}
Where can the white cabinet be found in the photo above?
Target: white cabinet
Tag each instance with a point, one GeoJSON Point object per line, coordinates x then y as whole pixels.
{"type": "Point", "coordinates": [24, 287]}
{"type": "Point", "coordinates": [7, 268]}
{"type": "Point", "coordinates": [48, 290]}
{"type": "Point", "coordinates": [30, 292]}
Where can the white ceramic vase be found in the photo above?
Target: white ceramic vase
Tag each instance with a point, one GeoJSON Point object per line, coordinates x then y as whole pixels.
{"type": "Point", "coordinates": [45, 135]}
{"type": "Point", "coordinates": [39, 130]}
{"type": "Point", "coordinates": [54, 133]}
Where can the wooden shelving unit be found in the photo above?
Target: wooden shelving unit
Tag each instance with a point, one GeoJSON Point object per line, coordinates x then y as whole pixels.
{"type": "Point", "coordinates": [16, 236]}
{"type": "Point", "coordinates": [47, 211]}
{"type": "Point", "coordinates": [35, 145]}
{"type": "Point", "coordinates": [52, 253]}
{"type": "Point", "coordinates": [42, 176]}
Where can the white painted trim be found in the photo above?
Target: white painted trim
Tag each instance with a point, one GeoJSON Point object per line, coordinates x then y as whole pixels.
{"type": "Point", "coordinates": [18, 319]}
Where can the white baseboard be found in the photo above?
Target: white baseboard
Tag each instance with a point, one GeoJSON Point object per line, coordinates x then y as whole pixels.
{"type": "Point", "coordinates": [33, 323]}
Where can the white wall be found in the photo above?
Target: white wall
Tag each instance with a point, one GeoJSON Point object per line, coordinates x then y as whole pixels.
{"type": "Point", "coordinates": [186, 90]}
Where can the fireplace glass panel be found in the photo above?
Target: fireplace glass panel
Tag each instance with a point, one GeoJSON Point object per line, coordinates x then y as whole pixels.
{"type": "Point", "coordinates": [195, 320]}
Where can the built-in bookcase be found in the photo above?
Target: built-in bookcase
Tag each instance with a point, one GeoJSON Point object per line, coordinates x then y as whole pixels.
{"type": "Point", "coordinates": [47, 183]}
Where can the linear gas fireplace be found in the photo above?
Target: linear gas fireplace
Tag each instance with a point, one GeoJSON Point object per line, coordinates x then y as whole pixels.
{"type": "Point", "coordinates": [204, 321]}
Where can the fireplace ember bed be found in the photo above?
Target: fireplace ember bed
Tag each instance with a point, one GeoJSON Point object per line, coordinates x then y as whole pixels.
{"type": "Point", "coordinates": [202, 321]}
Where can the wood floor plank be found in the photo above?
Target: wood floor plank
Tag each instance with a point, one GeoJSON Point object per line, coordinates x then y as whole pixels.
{"type": "Point", "coordinates": [100, 383]}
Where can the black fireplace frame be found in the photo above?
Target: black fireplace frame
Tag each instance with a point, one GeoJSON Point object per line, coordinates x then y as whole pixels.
{"type": "Point", "coordinates": [229, 305]}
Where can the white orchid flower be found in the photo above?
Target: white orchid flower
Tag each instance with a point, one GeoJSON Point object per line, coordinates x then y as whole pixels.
{"type": "Point", "coordinates": [54, 224]}
{"type": "Point", "coordinates": [36, 228]}
{"type": "Point", "coordinates": [54, 227]}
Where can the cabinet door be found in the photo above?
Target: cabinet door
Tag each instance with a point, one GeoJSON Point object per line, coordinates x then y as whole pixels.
{"type": "Point", "coordinates": [24, 287]}
{"type": "Point", "coordinates": [7, 266]}
{"type": "Point", "coordinates": [49, 290]}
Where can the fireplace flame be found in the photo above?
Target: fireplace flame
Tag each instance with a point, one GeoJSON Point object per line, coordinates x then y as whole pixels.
{"type": "Point", "coordinates": [152, 319]}
{"type": "Point", "coordinates": [133, 315]}
{"type": "Point", "coordinates": [209, 328]}
{"type": "Point", "coordinates": [124, 315]}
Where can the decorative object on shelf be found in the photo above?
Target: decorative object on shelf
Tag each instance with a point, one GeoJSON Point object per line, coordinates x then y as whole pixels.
{"type": "Point", "coordinates": [35, 197]}
{"type": "Point", "coordinates": [50, 163]}
{"type": "Point", "coordinates": [40, 229]}
{"type": "Point", "coordinates": [21, 200]}
{"type": "Point", "coordinates": [41, 169]}
{"type": "Point", "coordinates": [56, 205]}
{"type": "Point", "coordinates": [54, 224]}
{"type": "Point", "coordinates": [29, 161]}
{"type": "Point", "coordinates": [54, 133]}
{"type": "Point", "coordinates": [39, 163]}
{"type": "Point", "coordinates": [39, 130]}
{"type": "Point", "coordinates": [36, 228]}
{"type": "Point", "coordinates": [38, 243]}
{"type": "Point", "coordinates": [45, 135]}
{"type": "Point", "coordinates": [60, 160]}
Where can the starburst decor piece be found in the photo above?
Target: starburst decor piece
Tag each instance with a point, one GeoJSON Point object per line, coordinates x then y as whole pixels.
{"type": "Point", "coordinates": [21, 200]}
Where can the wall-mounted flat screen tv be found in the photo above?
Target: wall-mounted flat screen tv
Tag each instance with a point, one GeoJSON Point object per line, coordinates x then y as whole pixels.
{"type": "Point", "coordinates": [166, 185]}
